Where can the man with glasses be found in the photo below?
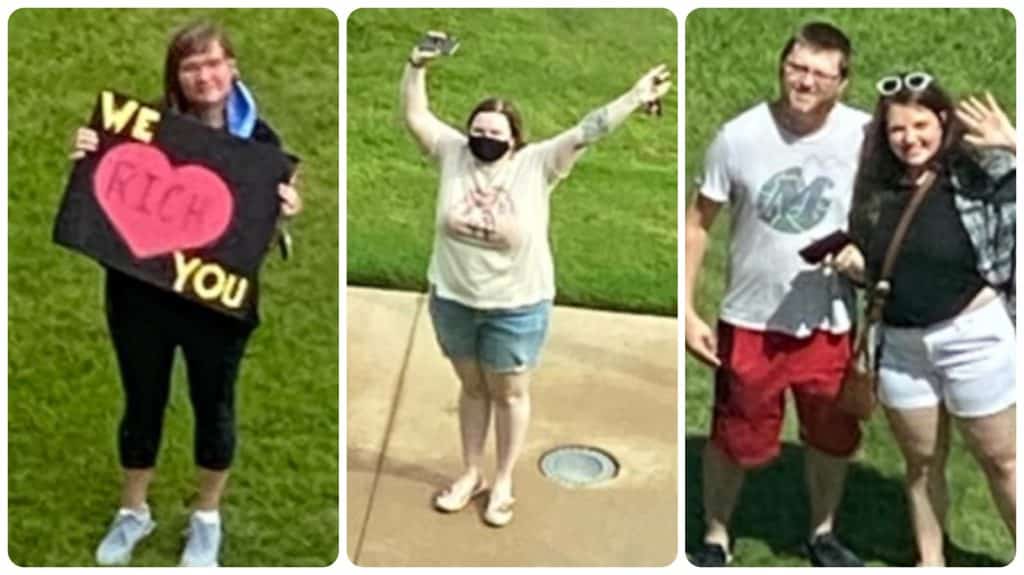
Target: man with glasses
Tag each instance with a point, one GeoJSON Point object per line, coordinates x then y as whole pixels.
{"type": "Point", "coordinates": [786, 169]}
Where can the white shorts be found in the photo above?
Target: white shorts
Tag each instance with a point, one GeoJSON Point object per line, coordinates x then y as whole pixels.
{"type": "Point", "coordinates": [967, 362]}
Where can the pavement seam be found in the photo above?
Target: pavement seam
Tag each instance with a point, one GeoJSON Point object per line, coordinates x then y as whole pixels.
{"type": "Point", "coordinates": [388, 429]}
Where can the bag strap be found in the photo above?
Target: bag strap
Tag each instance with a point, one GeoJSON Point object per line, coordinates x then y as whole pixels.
{"type": "Point", "coordinates": [881, 288]}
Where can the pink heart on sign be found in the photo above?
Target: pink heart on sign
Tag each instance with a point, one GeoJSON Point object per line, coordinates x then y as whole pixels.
{"type": "Point", "coordinates": [156, 207]}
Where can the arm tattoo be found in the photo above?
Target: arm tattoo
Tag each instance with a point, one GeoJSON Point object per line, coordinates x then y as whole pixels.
{"type": "Point", "coordinates": [595, 126]}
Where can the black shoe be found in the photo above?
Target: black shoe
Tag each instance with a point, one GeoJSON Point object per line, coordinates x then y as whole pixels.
{"type": "Point", "coordinates": [710, 555]}
{"type": "Point", "coordinates": [826, 551]}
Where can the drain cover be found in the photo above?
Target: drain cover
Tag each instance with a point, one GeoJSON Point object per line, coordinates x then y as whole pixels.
{"type": "Point", "coordinates": [578, 465]}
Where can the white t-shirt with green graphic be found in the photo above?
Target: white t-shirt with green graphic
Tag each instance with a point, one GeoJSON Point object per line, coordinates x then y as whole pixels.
{"type": "Point", "coordinates": [783, 193]}
{"type": "Point", "coordinates": [491, 246]}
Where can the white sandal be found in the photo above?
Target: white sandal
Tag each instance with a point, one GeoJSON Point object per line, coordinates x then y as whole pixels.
{"type": "Point", "coordinates": [500, 515]}
{"type": "Point", "coordinates": [443, 503]}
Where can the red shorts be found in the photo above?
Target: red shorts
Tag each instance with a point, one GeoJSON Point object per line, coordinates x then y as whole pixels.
{"type": "Point", "coordinates": [757, 369]}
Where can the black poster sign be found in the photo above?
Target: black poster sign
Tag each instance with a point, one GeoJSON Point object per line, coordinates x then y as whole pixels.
{"type": "Point", "coordinates": [174, 203]}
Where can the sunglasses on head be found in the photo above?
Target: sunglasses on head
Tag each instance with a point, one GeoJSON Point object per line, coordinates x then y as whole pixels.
{"type": "Point", "coordinates": [914, 81]}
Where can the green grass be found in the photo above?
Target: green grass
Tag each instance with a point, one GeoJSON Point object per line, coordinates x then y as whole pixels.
{"type": "Point", "coordinates": [613, 222]}
{"type": "Point", "coordinates": [731, 62]}
{"type": "Point", "coordinates": [64, 396]}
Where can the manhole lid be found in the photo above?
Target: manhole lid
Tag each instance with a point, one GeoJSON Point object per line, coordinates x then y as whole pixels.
{"type": "Point", "coordinates": [578, 465]}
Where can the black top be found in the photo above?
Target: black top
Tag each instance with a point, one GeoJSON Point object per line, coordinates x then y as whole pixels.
{"type": "Point", "coordinates": [935, 275]}
{"type": "Point", "coordinates": [262, 132]}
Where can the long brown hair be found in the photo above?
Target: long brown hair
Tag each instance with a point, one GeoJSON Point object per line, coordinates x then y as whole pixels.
{"type": "Point", "coordinates": [191, 39]}
{"type": "Point", "coordinates": [879, 169]}
{"type": "Point", "coordinates": [507, 109]}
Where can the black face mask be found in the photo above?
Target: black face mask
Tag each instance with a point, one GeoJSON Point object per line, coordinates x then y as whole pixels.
{"type": "Point", "coordinates": [487, 149]}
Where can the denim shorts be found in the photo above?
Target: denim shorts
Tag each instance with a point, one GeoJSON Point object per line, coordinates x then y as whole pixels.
{"type": "Point", "coordinates": [501, 340]}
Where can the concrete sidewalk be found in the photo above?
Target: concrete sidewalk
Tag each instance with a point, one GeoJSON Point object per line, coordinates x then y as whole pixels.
{"type": "Point", "coordinates": [606, 380]}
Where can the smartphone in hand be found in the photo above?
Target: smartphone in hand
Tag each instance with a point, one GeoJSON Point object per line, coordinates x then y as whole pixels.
{"type": "Point", "coordinates": [832, 244]}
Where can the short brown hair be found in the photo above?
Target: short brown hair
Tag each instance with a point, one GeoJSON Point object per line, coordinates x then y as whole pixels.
{"type": "Point", "coordinates": [821, 36]}
{"type": "Point", "coordinates": [510, 112]}
{"type": "Point", "coordinates": [190, 39]}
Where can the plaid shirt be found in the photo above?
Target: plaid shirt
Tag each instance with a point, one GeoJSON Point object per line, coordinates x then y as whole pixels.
{"type": "Point", "coordinates": [990, 219]}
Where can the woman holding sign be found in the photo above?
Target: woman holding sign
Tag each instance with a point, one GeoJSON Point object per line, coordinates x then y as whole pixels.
{"type": "Point", "coordinates": [147, 323]}
{"type": "Point", "coordinates": [491, 272]}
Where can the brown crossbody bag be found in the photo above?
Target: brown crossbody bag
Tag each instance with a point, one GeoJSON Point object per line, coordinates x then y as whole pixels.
{"type": "Point", "coordinates": [858, 394]}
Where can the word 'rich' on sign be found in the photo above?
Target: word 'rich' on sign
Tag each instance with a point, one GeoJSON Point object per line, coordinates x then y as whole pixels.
{"type": "Point", "coordinates": [174, 203]}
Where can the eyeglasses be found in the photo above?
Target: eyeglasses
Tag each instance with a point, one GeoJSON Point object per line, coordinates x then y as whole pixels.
{"type": "Point", "coordinates": [820, 77]}
{"type": "Point", "coordinates": [193, 67]}
{"type": "Point", "coordinates": [914, 81]}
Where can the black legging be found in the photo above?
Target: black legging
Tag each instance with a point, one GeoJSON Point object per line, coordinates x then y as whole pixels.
{"type": "Point", "coordinates": [147, 324]}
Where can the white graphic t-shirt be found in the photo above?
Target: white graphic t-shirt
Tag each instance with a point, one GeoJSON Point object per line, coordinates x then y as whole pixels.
{"type": "Point", "coordinates": [491, 246]}
{"type": "Point", "coordinates": [784, 192]}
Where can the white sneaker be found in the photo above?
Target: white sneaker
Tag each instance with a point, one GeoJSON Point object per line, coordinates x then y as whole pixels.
{"type": "Point", "coordinates": [126, 530]}
{"type": "Point", "coordinates": [202, 547]}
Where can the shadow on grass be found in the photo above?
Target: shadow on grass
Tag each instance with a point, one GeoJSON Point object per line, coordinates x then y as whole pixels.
{"type": "Point", "coordinates": [772, 509]}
